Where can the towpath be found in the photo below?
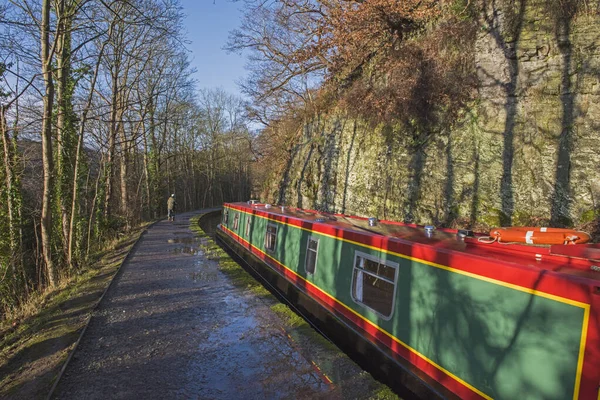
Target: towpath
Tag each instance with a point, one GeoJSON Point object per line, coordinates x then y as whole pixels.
{"type": "Point", "coordinates": [172, 326]}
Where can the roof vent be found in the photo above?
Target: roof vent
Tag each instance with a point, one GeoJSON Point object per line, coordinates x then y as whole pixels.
{"type": "Point", "coordinates": [429, 230]}
{"type": "Point", "coordinates": [463, 233]}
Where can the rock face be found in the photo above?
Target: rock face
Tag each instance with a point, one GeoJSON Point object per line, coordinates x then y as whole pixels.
{"type": "Point", "coordinates": [526, 152]}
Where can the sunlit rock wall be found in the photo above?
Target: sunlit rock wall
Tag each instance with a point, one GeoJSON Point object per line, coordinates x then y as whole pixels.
{"type": "Point", "coordinates": [527, 152]}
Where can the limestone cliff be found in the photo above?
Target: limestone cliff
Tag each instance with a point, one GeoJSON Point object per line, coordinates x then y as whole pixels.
{"type": "Point", "coordinates": [527, 150]}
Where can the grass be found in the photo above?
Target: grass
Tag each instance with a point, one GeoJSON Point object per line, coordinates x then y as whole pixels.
{"type": "Point", "coordinates": [291, 319]}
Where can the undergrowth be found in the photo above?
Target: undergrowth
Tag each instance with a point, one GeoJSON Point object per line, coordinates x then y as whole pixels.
{"type": "Point", "coordinates": [36, 340]}
{"type": "Point", "coordinates": [43, 306]}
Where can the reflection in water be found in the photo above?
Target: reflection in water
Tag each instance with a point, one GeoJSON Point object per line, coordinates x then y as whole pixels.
{"type": "Point", "coordinates": [242, 350]}
{"type": "Point", "coordinates": [192, 247]}
{"type": "Point", "coordinates": [206, 274]}
{"type": "Point", "coordinates": [209, 223]}
{"type": "Point", "coordinates": [185, 240]}
{"type": "Point", "coordinates": [186, 250]}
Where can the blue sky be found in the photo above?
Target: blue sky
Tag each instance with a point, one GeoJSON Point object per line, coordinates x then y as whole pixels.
{"type": "Point", "coordinates": [208, 23]}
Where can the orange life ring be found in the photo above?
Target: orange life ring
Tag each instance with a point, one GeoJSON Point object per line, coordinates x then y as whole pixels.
{"type": "Point", "coordinates": [537, 235]}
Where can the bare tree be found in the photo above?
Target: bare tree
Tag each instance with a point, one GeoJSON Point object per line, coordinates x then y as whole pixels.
{"type": "Point", "coordinates": [47, 159]}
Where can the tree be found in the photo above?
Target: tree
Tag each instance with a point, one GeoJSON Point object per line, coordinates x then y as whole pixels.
{"type": "Point", "coordinates": [297, 46]}
{"type": "Point", "coordinates": [47, 158]}
{"type": "Point", "coordinates": [109, 113]}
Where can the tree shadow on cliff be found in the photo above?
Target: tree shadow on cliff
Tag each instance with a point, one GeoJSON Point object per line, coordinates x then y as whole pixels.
{"type": "Point", "coordinates": [330, 158]}
{"type": "Point", "coordinates": [318, 177]}
{"type": "Point", "coordinates": [422, 126]}
{"type": "Point", "coordinates": [564, 12]}
{"type": "Point", "coordinates": [475, 197]}
{"type": "Point", "coordinates": [469, 191]}
{"type": "Point", "coordinates": [388, 167]}
{"type": "Point", "coordinates": [448, 210]}
{"type": "Point", "coordinates": [302, 175]}
{"type": "Point", "coordinates": [348, 167]}
{"type": "Point", "coordinates": [285, 181]}
{"type": "Point", "coordinates": [505, 27]}
{"type": "Point", "coordinates": [464, 335]}
{"type": "Point", "coordinates": [301, 179]}
{"type": "Point", "coordinates": [294, 151]}
{"type": "Point", "coordinates": [588, 68]}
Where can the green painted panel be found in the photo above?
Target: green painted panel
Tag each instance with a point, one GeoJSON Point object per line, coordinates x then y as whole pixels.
{"type": "Point", "coordinates": [507, 343]}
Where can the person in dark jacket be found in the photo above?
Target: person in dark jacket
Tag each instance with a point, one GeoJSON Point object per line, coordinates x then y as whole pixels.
{"type": "Point", "coordinates": [171, 203]}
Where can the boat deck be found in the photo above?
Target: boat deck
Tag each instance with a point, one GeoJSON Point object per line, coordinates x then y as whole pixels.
{"type": "Point", "coordinates": [580, 261]}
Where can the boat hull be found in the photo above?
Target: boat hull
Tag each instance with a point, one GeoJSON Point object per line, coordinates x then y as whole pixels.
{"type": "Point", "coordinates": [458, 332]}
{"type": "Point", "coordinates": [385, 365]}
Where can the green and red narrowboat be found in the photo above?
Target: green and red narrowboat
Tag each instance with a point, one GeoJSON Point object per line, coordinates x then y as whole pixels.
{"type": "Point", "coordinates": [466, 319]}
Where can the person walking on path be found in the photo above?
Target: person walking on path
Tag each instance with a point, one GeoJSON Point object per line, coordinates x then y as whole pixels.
{"type": "Point", "coordinates": [171, 203]}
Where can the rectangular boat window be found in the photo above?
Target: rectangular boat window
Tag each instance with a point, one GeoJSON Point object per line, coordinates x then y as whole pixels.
{"type": "Point", "coordinates": [270, 237]}
{"type": "Point", "coordinates": [236, 221]}
{"type": "Point", "coordinates": [225, 217]}
{"type": "Point", "coordinates": [374, 283]}
{"type": "Point", "coordinates": [248, 224]}
{"type": "Point", "coordinates": [312, 249]}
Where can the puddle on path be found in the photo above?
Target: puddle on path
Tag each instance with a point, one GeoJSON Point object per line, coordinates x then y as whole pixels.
{"type": "Point", "coordinates": [185, 240]}
{"type": "Point", "coordinates": [243, 355]}
{"type": "Point", "coordinates": [187, 250]}
{"type": "Point", "coordinates": [192, 247]}
{"type": "Point", "coordinates": [205, 275]}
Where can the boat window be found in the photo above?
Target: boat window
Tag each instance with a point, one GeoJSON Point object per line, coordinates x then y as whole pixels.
{"type": "Point", "coordinates": [236, 221]}
{"type": "Point", "coordinates": [270, 237]}
{"type": "Point", "coordinates": [374, 283]}
{"type": "Point", "coordinates": [225, 217]}
{"type": "Point", "coordinates": [248, 224]}
{"type": "Point", "coordinates": [312, 249]}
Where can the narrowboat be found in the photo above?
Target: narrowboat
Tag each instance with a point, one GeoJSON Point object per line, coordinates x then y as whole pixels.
{"type": "Point", "coordinates": [461, 316]}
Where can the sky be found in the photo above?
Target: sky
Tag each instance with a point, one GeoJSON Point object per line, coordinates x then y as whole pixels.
{"type": "Point", "coordinates": [207, 24]}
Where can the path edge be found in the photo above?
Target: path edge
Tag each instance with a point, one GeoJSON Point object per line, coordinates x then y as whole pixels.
{"type": "Point", "coordinates": [90, 316]}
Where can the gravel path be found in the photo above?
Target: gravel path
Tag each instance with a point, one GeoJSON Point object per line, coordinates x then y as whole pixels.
{"type": "Point", "coordinates": [173, 327]}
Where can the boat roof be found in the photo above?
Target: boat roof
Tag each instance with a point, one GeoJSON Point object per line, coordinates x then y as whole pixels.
{"type": "Point", "coordinates": [578, 261]}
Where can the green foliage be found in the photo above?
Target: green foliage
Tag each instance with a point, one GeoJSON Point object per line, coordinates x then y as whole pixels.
{"type": "Point", "coordinates": [113, 225]}
{"type": "Point", "coordinates": [589, 216]}
{"type": "Point", "coordinates": [290, 317]}
{"type": "Point", "coordinates": [384, 393]}
{"type": "Point", "coordinates": [6, 297]}
{"type": "Point", "coordinates": [463, 9]}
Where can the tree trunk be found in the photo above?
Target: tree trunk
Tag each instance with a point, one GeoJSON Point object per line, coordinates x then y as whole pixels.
{"type": "Point", "coordinates": [111, 147]}
{"type": "Point", "coordinates": [8, 169]}
{"type": "Point", "coordinates": [17, 188]}
{"type": "Point", "coordinates": [64, 128]}
{"type": "Point", "coordinates": [147, 177]}
{"type": "Point", "coordinates": [74, 198]}
{"type": "Point", "coordinates": [123, 175]}
{"type": "Point", "coordinates": [93, 211]}
{"type": "Point", "coordinates": [47, 161]}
